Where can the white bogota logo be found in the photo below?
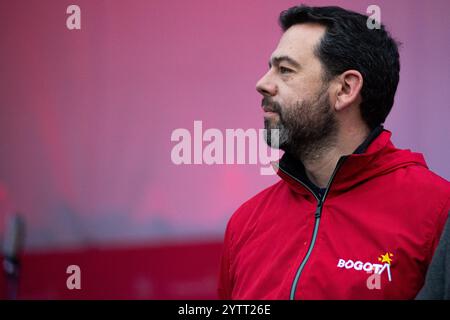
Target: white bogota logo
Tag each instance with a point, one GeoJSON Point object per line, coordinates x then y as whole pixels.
{"type": "Point", "coordinates": [369, 267]}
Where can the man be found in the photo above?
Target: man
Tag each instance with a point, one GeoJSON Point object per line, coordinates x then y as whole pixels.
{"type": "Point", "coordinates": [352, 217]}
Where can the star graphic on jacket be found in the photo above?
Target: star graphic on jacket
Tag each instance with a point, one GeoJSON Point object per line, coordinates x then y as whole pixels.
{"type": "Point", "coordinates": [386, 258]}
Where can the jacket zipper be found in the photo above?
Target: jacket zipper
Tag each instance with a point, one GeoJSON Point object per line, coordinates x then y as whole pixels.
{"type": "Point", "coordinates": [317, 216]}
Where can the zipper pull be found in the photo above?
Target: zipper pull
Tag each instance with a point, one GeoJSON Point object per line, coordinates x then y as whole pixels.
{"type": "Point", "coordinates": [318, 210]}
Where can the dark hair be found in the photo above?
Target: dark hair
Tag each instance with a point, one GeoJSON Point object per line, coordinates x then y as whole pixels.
{"type": "Point", "coordinates": [349, 44]}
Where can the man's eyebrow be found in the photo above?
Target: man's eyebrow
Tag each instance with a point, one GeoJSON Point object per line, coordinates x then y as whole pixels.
{"type": "Point", "coordinates": [277, 60]}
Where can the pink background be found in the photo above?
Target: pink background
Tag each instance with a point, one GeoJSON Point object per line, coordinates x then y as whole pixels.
{"type": "Point", "coordinates": [86, 116]}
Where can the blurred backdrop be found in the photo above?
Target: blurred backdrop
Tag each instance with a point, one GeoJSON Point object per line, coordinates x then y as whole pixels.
{"type": "Point", "coordinates": [86, 118]}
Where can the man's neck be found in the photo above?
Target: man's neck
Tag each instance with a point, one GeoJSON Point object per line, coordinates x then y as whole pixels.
{"type": "Point", "coordinates": [320, 166]}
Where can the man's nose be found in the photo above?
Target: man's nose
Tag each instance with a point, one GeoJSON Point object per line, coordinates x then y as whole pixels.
{"type": "Point", "coordinates": [266, 86]}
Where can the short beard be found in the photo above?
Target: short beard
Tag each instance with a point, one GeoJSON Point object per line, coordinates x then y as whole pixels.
{"type": "Point", "coordinates": [305, 129]}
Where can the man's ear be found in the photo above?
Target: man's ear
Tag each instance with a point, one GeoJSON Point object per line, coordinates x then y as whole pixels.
{"type": "Point", "coordinates": [349, 89]}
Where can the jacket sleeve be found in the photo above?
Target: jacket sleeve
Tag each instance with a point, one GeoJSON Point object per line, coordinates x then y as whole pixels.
{"type": "Point", "coordinates": [437, 282]}
{"type": "Point", "coordinates": [225, 283]}
{"type": "Point", "coordinates": [439, 229]}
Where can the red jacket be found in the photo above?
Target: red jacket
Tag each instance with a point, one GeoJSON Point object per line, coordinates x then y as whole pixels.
{"type": "Point", "coordinates": [372, 237]}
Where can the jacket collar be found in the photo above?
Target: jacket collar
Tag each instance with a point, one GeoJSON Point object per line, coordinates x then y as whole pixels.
{"type": "Point", "coordinates": [374, 156]}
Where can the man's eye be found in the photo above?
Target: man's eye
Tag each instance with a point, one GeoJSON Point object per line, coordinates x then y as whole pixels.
{"type": "Point", "coordinates": [284, 70]}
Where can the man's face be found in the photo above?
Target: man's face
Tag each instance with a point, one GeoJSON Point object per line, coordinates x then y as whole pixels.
{"type": "Point", "coordinates": [295, 95]}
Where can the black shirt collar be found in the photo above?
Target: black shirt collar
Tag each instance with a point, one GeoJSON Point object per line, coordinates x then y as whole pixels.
{"type": "Point", "coordinates": [296, 168]}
